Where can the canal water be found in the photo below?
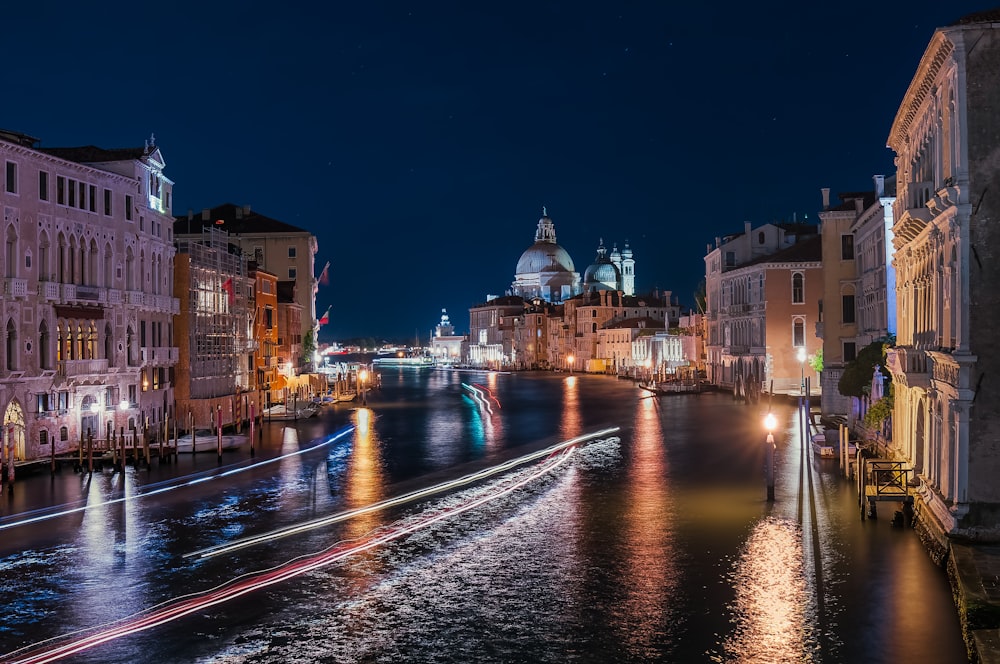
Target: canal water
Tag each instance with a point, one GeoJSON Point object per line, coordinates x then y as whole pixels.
{"type": "Point", "coordinates": [651, 544]}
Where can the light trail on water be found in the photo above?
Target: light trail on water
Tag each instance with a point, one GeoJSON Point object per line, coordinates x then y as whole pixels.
{"type": "Point", "coordinates": [74, 643]}
{"type": "Point", "coordinates": [172, 485]}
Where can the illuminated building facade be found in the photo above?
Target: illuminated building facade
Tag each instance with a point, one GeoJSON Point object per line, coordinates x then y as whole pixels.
{"type": "Point", "coordinates": [213, 329]}
{"type": "Point", "coordinates": [545, 270]}
{"type": "Point", "coordinates": [763, 289]}
{"type": "Point", "coordinates": [265, 332]}
{"type": "Point", "coordinates": [285, 251]}
{"type": "Point", "coordinates": [88, 299]}
{"type": "Point", "coordinates": [446, 347]}
{"type": "Point", "coordinates": [946, 418]}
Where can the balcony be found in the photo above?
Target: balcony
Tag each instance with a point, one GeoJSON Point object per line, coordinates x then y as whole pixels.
{"type": "Point", "coordinates": [134, 298]}
{"type": "Point", "coordinates": [16, 287]}
{"type": "Point", "coordinates": [90, 294]}
{"type": "Point", "coordinates": [73, 368]}
{"type": "Point", "coordinates": [908, 365]}
{"type": "Point", "coordinates": [48, 291]}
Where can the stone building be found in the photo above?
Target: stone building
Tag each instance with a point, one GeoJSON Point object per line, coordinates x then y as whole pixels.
{"type": "Point", "coordinates": [946, 421]}
{"type": "Point", "coordinates": [88, 296]}
{"type": "Point", "coordinates": [280, 248]}
{"type": "Point", "coordinates": [763, 289]}
{"type": "Point", "coordinates": [265, 336]}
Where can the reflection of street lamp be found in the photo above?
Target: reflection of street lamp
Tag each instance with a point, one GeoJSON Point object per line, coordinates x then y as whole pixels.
{"type": "Point", "coordinates": [363, 376]}
{"type": "Point", "coordinates": [801, 355]}
{"type": "Point", "coordinates": [769, 423]}
{"type": "Point", "coordinates": [569, 361]}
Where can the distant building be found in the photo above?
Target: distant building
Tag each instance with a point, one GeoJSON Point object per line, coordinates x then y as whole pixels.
{"type": "Point", "coordinates": [856, 273]}
{"type": "Point", "coordinates": [491, 331]}
{"type": "Point", "coordinates": [88, 296]}
{"type": "Point", "coordinates": [213, 329]}
{"type": "Point", "coordinates": [446, 347]}
{"type": "Point", "coordinates": [282, 249]}
{"type": "Point", "coordinates": [545, 270]}
{"type": "Point", "coordinates": [763, 289]}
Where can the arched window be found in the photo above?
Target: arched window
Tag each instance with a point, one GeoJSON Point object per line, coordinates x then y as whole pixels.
{"type": "Point", "coordinates": [63, 433]}
{"type": "Point", "coordinates": [129, 340]}
{"type": "Point", "coordinates": [11, 346]}
{"type": "Point", "coordinates": [760, 237]}
{"type": "Point", "coordinates": [799, 332]}
{"type": "Point", "coordinates": [78, 346]}
{"type": "Point", "coordinates": [129, 269]}
{"type": "Point", "coordinates": [43, 437]}
{"type": "Point", "coordinates": [91, 342]}
{"type": "Point", "coordinates": [92, 264]}
{"type": "Point", "coordinates": [108, 280]}
{"type": "Point", "coordinates": [109, 345]}
{"type": "Point", "coordinates": [44, 354]}
{"type": "Point", "coordinates": [43, 257]}
{"type": "Point", "coordinates": [11, 256]}
{"type": "Point", "coordinates": [61, 275]}
{"type": "Point", "coordinates": [798, 288]}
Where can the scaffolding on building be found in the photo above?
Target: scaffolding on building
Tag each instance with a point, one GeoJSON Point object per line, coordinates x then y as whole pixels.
{"type": "Point", "coordinates": [220, 305]}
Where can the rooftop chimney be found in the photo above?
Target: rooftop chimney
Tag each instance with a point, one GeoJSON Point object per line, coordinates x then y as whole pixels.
{"type": "Point", "coordinates": [879, 185]}
{"type": "Point", "coordinates": [826, 197]}
{"type": "Point", "coordinates": [859, 205]}
{"type": "Point", "coordinates": [206, 214]}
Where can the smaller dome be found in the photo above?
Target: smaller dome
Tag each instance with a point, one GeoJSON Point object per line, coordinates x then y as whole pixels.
{"type": "Point", "coordinates": [602, 274]}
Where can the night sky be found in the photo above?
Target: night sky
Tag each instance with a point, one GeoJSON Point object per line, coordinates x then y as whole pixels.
{"type": "Point", "coordinates": [419, 141]}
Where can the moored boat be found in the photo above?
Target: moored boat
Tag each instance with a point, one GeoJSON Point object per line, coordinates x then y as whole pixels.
{"type": "Point", "coordinates": [205, 440]}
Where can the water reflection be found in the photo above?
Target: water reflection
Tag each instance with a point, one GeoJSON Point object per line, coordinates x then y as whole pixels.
{"type": "Point", "coordinates": [649, 565]}
{"type": "Point", "coordinates": [570, 425]}
{"type": "Point", "coordinates": [773, 599]}
{"type": "Point", "coordinates": [364, 479]}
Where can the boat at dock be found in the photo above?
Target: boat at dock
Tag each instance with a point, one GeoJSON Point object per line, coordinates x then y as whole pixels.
{"type": "Point", "coordinates": [297, 412]}
{"type": "Point", "coordinates": [672, 387]}
{"type": "Point", "coordinates": [416, 362]}
{"type": "Point", "coordinates": [205, 440]}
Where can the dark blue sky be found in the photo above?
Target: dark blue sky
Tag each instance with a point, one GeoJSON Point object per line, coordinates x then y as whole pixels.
{"type": "Point", "coordinates": [419, 141]}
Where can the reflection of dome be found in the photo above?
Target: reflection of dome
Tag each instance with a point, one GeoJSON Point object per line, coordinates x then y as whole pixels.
{"type": "Point", "coordinates": [602, 274]}
{"type": "Point", "coordinates": [544, 257]}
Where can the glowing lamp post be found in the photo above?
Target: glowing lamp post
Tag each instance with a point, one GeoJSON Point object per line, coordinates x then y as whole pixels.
{"type": "Point", "coordinates": [801, 355]}
{"type": "Point", "coordinates": [362, 377]}
{"type": "Point", "coordinates": [769, 423]}
{"type": "Point", "coordinates": [569, 361]}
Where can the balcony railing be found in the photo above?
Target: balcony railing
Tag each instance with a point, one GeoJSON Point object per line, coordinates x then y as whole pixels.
{"type": "Point", "coordinates": [49, 290]}
{"type": "Point", "coordinates": [71, 368]}
{"type": "Point", "coordinates": [16, 287]}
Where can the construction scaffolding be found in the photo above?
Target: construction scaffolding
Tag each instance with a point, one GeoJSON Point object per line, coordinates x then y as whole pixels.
{"type": "Point", "coordinates": [220, 306]}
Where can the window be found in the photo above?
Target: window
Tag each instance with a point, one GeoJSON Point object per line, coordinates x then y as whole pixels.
{"type": "Point", "coordinates": [11, 177]}
{"type": "Point", "coordinates": [107, 202]}
{"type": "Point", "coordinates": [848, 308]}
{"type": "Point", "coordinates": [291, 252]}
{"type": "Point", "coordinates": [847, 247]}
{"type": "Point", "coordinates": [850, 351]}
{"type": "Point", "coordinates": [291, 273]}
{"type": "Point", "coordinates": [760, 237]}
{"type": "Point", "coordinates": [268, 318]}
{"type": "Point", "coordinates": [43, 403]}
{"type": "Point", "coordinates": [63, 433]}
{"type": "Point", "coordinates": [93, 198]}
{"type": "Point", "coordinates": [60, 190]}
{"type": "Point", "coordinates": [128, 207]}
{"type": "Point", "coordinates": [799, 333]}
{"type": "Point", "coordinates": [43, 437]}
{"type": "Point", "coordinates": [730, 258]}
{"type": "Point", "coordinates": [43, 186]}
{"type": "Point", "coordinates": [72, 193]}
{"type": "Point", "coordinates": [798, 288]}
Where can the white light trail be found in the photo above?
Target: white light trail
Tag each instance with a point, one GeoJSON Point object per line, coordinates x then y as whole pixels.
{"type": "Point", "coordinates": [43, 652]}
{"type": "Point", "coordinates": [172, 486]}
{"type": "Point", "coordinates": [397, 500]}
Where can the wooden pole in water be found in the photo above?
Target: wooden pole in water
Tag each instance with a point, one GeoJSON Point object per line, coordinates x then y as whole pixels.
{"type": "Point", "coordinates": [219, 431]}
{"type": "Point", "coordinates": [52, 442]}
{"type": "Point", "coordinates": [90, 451]}
{"type": "Point", "coordinates": [251, 429]}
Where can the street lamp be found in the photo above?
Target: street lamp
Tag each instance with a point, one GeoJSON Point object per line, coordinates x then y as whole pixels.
{"type": "Point", "coordinates": [569, 360]}
{"type": "Point", "coordinates": [801, 355]}
{"type": "Point", "coordinates": [769, 423]}
{"type": "Point", "coordinates": [363, 376]}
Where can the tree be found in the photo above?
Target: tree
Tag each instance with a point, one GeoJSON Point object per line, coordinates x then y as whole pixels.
{"type": "Point", "coordinates": [308, 349]}
{"type": "Point", "coordinates": [816, 361]}
{"type": "Point", "coordinates": [856, 380]}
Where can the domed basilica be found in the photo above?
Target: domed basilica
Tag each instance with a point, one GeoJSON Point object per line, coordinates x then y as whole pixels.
{"type": "Point", "coordinates": [545, 270]}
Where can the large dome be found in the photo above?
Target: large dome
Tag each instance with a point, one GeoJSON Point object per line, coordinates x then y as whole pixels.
{"type": "Point", "coordinates": [544, 257]}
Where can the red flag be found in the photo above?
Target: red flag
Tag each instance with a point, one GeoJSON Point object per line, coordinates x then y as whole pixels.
{"type": "Point", "coordinates": [326, 317]}
{"type": "Point", "coordinates": [227, 286]}
{"type": "Point", "coordinates": [324, 276]}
